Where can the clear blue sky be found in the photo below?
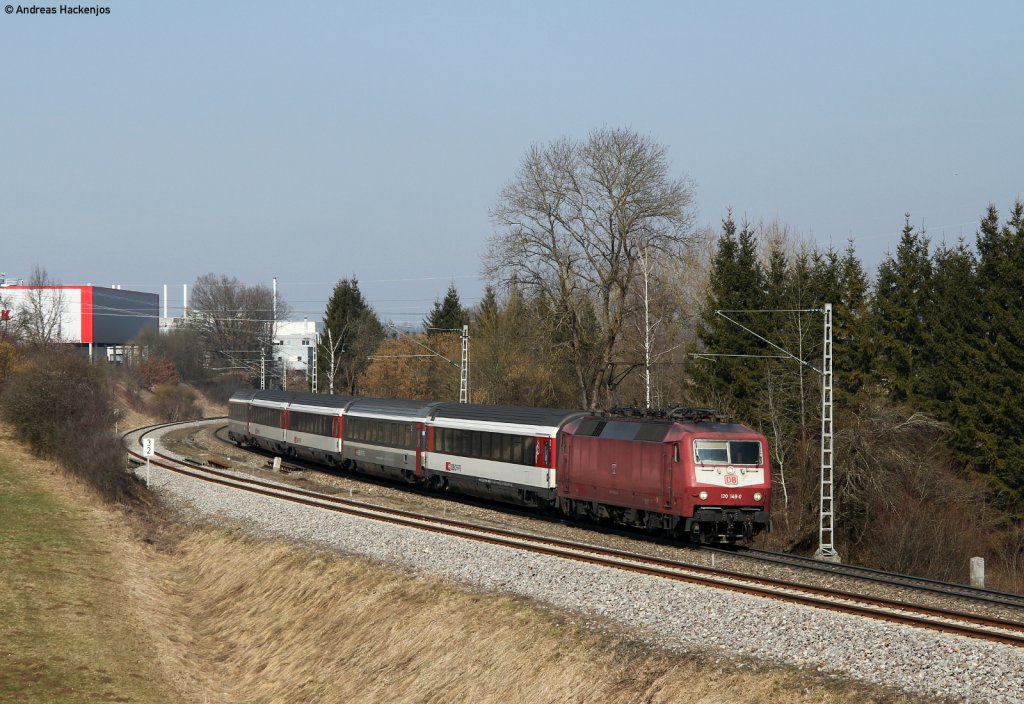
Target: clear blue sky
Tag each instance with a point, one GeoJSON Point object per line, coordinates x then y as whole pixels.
{"type": "Point", "coordinates": [313, 141]}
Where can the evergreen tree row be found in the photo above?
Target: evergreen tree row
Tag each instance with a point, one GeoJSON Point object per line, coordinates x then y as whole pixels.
{"type": "Point", "coordinates": [940, 332]}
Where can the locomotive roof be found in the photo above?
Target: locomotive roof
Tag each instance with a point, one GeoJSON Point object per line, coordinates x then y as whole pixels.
{"type": "Point", "coordinates": [716, 428]}
{"type": "Point", "coordinates": [650, 429]}
{"type": "Point", "coordinates": [523, 415]}
{"type": "Point", "coordinates": [243, 395]}
{"type": "Point", "coordinates": [392, 406]}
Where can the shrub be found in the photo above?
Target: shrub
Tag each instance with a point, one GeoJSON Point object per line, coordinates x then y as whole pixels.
{"type": "Point", "coordinates": [62, 406]}
{"type": "Point", "coordinates": [173, 403]}
{"type": "Point", "coordinates": [158, 371]}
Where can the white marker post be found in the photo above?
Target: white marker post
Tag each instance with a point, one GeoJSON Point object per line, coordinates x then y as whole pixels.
{"type": "Point", "coordinates": [148, 449]}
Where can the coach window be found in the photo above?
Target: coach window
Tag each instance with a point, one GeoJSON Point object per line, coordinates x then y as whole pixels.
{"type": "Point", "coordinates": [529, 451]}
{"type": "Point", "coordinates": [517, 449]}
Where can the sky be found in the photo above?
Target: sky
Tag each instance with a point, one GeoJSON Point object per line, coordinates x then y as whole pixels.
{"type": "Point", "coordinates": [317, 141]}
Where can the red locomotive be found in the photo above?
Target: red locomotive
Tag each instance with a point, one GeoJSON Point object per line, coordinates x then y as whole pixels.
{"type": "Point", "coordinates": [685, 474]}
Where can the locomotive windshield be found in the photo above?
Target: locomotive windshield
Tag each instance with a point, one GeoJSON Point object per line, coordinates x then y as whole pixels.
{"type": "Point", "coordinates": [726, 452]}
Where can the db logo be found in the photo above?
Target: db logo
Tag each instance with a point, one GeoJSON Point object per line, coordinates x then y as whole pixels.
{"type": "Point", "coordinates": [732, 479]}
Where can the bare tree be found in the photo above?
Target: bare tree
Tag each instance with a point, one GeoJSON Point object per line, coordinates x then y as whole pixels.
{"type": "Point", "coordinates": [41, 312]}
{"type": "Point", "coordinates": [572, 226]}
{"type": "Point", "coordinates": [332, 358]}
{"type": "Point", "coordinates": [234, 321]}
{"type": "Point", "coordinates": [658, 338]}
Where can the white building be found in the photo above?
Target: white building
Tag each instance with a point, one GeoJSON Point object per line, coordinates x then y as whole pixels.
{"type": "Point", "coordinates": [294, 344]}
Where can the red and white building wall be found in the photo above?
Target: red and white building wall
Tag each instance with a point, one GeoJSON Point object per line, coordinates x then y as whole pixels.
{"type": "Point", "coordinates": [83, 314]}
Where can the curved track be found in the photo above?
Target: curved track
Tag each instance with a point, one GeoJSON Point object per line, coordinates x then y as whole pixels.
{"type": "Point", "coordinates": [972, 625]}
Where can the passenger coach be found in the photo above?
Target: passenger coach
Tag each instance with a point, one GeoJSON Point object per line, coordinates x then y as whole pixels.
{"type": "Point", "coordinates": [502, 452]}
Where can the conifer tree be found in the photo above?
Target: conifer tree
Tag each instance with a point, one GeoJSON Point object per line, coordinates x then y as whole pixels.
{"type": "Point", "coordinates": [737, 283]}
{"type": "Point", "coordinates": [851, 334]}
{"type": "Point", "coordinates": [351, 332]}
{"type": "Point", "coordinates": [447, 314]}
{"type": "Point", "coordinates": [901, 294]}
{"type": "Point", "coordinates": [999, 446]}
{"type": "Point", "coordinates": [953, 321]}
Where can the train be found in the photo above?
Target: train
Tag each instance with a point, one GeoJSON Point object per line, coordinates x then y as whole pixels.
{"type": "Point", "coordinates": [683, 472]}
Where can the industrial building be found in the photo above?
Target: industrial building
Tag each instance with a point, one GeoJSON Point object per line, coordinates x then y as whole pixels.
{"type": "Point", "coordinates": [99, 320]}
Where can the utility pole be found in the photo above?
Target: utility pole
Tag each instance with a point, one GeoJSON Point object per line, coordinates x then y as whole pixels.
{"type": "Point", "coordinates": [826, 514]}
{"type": "Point", "coordinates": [263, 369]}
{"type": "Point", "coordinates": [464, 368]}
{"type": "Point", "coordinates": [313, 373]}
{"type": "Point", "coordinates": [826, 506]}
{"type": "Point", "coordinates": [273, 334]}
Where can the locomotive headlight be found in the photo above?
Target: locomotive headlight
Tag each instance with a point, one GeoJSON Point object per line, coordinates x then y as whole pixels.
{"type": "Point", "coordinates": [758, 496]}
{"type": "Point", "coordinates": [703, 496]}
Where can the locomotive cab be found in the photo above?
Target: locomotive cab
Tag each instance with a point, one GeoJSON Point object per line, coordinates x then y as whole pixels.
{"type": "Point", "coordinates": [729, 487]}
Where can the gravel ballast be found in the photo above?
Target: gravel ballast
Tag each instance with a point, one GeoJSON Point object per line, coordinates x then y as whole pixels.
{"type": "Point", "coordinates": [669, 614]}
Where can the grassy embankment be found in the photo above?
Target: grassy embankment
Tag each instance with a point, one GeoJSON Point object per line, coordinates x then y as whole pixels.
{"type": "Point", "coordinates": [65, 615]}
{"type": "Point", "coordinates": [88, 613]}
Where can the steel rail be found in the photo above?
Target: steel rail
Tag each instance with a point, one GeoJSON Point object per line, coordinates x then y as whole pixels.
{"type": "Point", "coordinates": [870, 574]}
{"type": "Point", "coordinates": [1008, 632]}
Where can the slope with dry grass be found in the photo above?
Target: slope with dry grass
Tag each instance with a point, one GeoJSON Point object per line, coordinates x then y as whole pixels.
{"type": "Point", "coordinates": [68, 630]}
{"type": "Point", "coordinates": [278, 623]}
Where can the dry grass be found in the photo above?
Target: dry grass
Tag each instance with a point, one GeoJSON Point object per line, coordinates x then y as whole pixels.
{"type": "Point", "coordinates": [68, 630]}
{"type": "Point", "coordinates": [277, 623]}
{"type": "Point", "coordinates": [208, 615]}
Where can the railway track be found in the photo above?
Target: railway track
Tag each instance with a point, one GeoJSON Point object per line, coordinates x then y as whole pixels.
{"type": "Point", "coordinates": [988, 628]}
{"type": "Point", "coordinates": [933, 586]}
